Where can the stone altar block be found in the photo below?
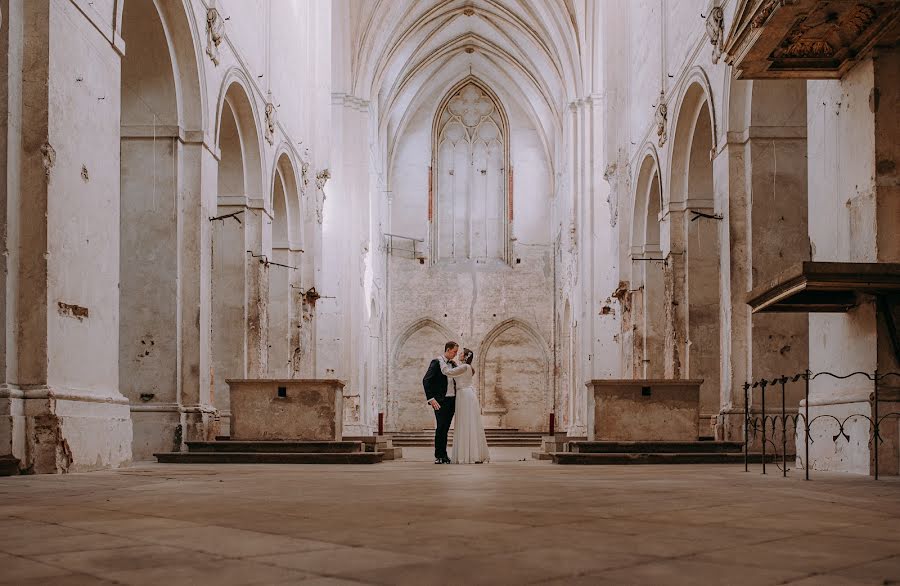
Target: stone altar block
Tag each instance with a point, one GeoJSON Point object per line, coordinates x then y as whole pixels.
{"type": "Point", "coordinates": [643, 410]}
{"type": "Point", "coordinates": [286, 409]}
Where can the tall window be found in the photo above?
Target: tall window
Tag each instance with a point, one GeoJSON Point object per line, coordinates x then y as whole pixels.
{"type": "Point", "coordinates": [469, 174]}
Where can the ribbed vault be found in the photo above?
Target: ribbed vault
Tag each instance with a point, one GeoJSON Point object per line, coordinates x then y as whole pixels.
{"type": "Point", "coordinates": [406, 53]}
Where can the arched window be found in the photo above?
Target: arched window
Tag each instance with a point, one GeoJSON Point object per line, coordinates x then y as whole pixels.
{"type": "Point", "coordinates": [470, 162]}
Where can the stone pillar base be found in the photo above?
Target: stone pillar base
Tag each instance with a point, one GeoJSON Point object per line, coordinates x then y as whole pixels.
{"type": "Point", "coordinates": [70, 431]}
{"type": "Point", "coordinates": [157, 428]}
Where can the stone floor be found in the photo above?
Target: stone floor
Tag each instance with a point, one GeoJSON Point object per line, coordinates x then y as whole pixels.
{"type": "Point", "coordinates": [411, 522]}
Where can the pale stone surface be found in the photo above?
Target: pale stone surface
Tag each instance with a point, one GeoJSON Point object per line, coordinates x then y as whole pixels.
{"type": "Point", "coordinates": [643, 410]}
{"type": "Point", "coordinates": [308, 409]}
{"type": "Point", "coordinates": [495, 523]}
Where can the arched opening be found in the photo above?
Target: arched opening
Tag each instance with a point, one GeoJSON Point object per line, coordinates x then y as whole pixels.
{"type": "Point", "coordinates": [653, 269]}
{"type": "Point", "coordinates": [513, 379]}
{"type": "Point", "coordinates": [417, 347]}
{"type": "Point", "coordinates": [239, 280]}
{"type": "Point", "coordinates": [692, 184]}
{"type": "Point", "coordinates": [283, 339]}
{"type": "Point", "coordinates": [647, 266]}
{"type": "Point", "coordinates": [470, 185]}
{"type": "Point", "coordinates": [149, 217]}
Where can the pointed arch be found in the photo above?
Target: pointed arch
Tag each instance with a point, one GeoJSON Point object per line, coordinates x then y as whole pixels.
{"type": "Point", "coordinates": [648, 201]}
{"type": "Point", "coordinates": [237, 106]}
{"type": "Point", "coordinates": [513, 367]}
{"type": "Point", "coordinates": [418, 344]}
{"type": "Point", "coordinates": [413, 328]}
{"type": "Point", "coordinates": [284, 171]}
{"type": "Point", "coordinates": [471, 207]}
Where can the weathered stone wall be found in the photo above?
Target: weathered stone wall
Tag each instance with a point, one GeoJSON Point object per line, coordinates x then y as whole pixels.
{"type": "Point", "coordinates": [504, 313]}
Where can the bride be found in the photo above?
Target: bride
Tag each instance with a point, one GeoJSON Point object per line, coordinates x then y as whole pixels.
{"type": "Point", "coordinates": [469, 443]}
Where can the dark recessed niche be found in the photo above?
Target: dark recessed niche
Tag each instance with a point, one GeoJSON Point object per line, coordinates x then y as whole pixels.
{"type": "Point", "coordinates": [445, 315]}
{"type": "Point", "coordinates": [645, 391]}
{"type": "Point", "coordinates": [518, 261]}
{"type": "Point", "coordinates": [282, 392]}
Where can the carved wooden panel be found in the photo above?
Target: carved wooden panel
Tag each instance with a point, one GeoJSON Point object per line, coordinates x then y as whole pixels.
{"type": "Point", "coordinates": [812, 39]}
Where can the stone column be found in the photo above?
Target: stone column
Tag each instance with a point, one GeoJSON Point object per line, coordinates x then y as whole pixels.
{"type": "Point", "coordinates": [258, 240]}
{"type": "Point", "coordinates": [65, 289]}
{"type": "Point", "coordinates": [197, 203]}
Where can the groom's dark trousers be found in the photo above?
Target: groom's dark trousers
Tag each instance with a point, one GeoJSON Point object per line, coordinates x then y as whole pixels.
{"type": "Point", "coordinates": [444, 417]}
{"type": "Point", "coordinates": [435, 384]}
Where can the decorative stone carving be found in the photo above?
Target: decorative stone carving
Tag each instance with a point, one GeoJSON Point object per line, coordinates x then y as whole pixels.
{"type": "Point", "coordinates": [322, 177]}
{"type": "Point", "coordinates": [305, 160]}
{"type": "Point", "coordinates": [765, 12]}
{"type": "Point", "coordinates": [610, 176]}
{"type": "Point", "coordinates": [808, 39]}
{"type": "Point", "coordinates": [715, 29]}
{"type": "Point", "coordinates": [271, 120]}
{"type": "Point", "coordinates": [215, 32]}
{"type": "Point", "coordinates": [662, 113]}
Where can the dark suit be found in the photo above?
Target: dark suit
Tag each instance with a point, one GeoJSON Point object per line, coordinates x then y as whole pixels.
{"type": "Point", "coordinates": [435, 384]}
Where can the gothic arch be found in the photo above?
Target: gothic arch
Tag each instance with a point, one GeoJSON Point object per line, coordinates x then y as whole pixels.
{"type": "Point", "coordinates": [415, 347]}
{"type": "Point", "coordinates": [693, 141]}
{"type": "Point", "coordinates": [235, 100]}
{"type": "Point", "coordinates": [413, 328]}
{"type": "Point", "coordinates": [647, 274]}
{"type": "Point", "coordinates": [513, 368]}
{"type": "Point", "coordinates": [691, 189]}
{"type": "Point", "coordinates": [647, 197]}
{"type": "Point", "coordinates": [478, 131]}
{"type": "Point", "coordinates": [285, 171]}
{"type": "Point", "coordinates": [161, 101]}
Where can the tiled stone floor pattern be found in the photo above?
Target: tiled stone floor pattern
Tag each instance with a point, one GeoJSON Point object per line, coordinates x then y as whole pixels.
{"type": "Point", "coordinates": [411, 522]}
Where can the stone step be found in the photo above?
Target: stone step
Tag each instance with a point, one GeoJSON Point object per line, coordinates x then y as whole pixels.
{"type": "Point", "coordinates": [282, 447]}
{"type": "Point", "coordinates": [268, 458]}
{"type": "Point", "coordinates": [659, 447]}
{"type": "Point", "coordinates": [515, 444]}
{"type": "Point", "coordinates": [392, 453]}
{"type": "Point", "coordinates": [541, 456]}
{"type": "Point", "coordinates": [654, 458]}
{"type": "Point", "coordinates": [9, 466]}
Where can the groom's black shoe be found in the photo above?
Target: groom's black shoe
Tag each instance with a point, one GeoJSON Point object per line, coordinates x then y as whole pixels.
{"type": "Point", "coordinates": [439, 461]}
{"type": "Point", "coordinates": [446, 461]}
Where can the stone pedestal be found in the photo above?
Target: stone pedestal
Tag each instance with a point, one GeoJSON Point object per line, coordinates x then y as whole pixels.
{"type": "Point", "coordinates": [286, 409]}
{"type": "Point", "coordinates": [643, 410]}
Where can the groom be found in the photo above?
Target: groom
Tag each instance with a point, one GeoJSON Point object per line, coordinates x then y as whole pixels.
{"type": "Point", "coordinates": [441, 397]}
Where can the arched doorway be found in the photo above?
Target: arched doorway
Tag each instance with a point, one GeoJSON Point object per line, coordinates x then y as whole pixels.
{"type": "Point", "coordinates": [284, 324]}
{"type": "Point", "coordinates": [416, 347]}
{"type": "Point", "coordinates": [157, 107]}
{"type": "Point", "coordinates": [698, 237]}
{"type": "Point", "coordinates": [649, 274]}
{"type": "Point", "coordinates": [239, 280]}
{"type": "Point", "coordinates": [513, 378]}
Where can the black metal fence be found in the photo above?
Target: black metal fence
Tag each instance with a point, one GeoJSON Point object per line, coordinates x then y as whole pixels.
{"type": "Point", "coordinates": [765, 425]}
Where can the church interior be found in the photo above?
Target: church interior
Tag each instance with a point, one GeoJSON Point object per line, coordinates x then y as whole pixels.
{"type": "Point", "coordinates": [236, 232]}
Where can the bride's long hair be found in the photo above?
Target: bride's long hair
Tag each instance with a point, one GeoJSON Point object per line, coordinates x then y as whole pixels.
{"type": "Point", "coordinates": [468, 356]}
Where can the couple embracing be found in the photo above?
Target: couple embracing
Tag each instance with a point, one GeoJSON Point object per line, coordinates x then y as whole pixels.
{"type": "Point", "coordinates": [450, 389]}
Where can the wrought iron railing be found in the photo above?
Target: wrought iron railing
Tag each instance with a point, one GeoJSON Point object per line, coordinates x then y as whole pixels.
{"type": "Point", "coordinates": [758, 426]}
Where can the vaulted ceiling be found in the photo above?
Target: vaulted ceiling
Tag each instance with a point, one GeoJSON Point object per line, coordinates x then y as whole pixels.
{"type": "Point", "coordinates": [407, 53]}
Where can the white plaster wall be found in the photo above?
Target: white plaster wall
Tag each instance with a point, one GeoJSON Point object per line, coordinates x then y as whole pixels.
{"type": "Point", "coordinates": [83, 215]}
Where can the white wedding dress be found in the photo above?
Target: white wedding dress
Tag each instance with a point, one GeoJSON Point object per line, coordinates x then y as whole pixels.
{"type": "Point", "coordinates": [469, 443]}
